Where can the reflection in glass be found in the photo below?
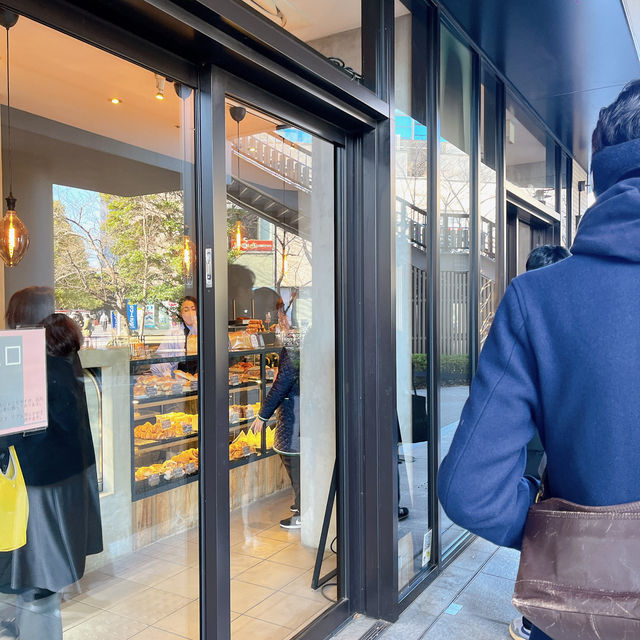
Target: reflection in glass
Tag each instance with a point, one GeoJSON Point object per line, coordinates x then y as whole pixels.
{"type": "Point", "coordinates": [108, 187]}
{"type": "Point", "coordinates": [489, 293]}
{"type": "Point", "coordinates": [530, 156]}
{"type": "Point", "coordinates": [579, 195]}
{"type": "Point", "coordinates": [565, 217]}
{"type": "Point", "coordinates": [281, 434]}
{"type": "Point", "coordinates": [338, 39]}
{"type": "Point", "coordinates": [455, 276]}
{"type": "Point", "coordinates": [412, 280]}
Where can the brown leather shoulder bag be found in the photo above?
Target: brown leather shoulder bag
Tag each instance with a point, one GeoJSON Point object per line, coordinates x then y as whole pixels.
{"type": "Point", "coordinates": [579, 575]}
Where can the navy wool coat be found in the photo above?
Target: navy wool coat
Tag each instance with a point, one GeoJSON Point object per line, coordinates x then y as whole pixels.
{"type": "Point", "coordinates": [284, 399]}
{"type": "Point", "coordinates": [562, 359]}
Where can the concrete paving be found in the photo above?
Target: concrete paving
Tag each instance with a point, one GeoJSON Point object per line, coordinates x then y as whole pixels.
{"type": "Point", "coordinates": [470, 599]}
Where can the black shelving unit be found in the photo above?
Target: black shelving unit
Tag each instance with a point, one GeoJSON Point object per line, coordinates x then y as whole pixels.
{"type": "Point", "coordinates": [262, 386]}
{"type": "Point", "coordinates": [142, 448]}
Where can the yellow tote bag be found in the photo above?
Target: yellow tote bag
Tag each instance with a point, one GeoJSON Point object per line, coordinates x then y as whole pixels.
{"type": "Point", "coordinates": [14, 506]}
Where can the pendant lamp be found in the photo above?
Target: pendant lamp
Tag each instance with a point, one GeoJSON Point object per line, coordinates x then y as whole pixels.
{"type": "Point", "coordinates": [188, 256]}
{"type": "Point", "coordinates": [14, 237]}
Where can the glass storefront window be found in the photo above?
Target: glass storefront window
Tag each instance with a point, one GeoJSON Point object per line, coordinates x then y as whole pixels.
{"type": "Point", "coordinates": [530, 156]}
{"type": "Point", "coordinates": [332, 28]}
{"type": "Point", "coordinates": [282, 413]}
{"type": "Point", "coordinates": [489, 249]}
{"type": "Point", "coordinates": [411, 151]}
{"type": "Point", "coordinates": [455, 264]}
{"type": "Point", "coordinates": [565, 216]}
{"type": "Point", "coordinates": [579, 195]}
{"type": "Point", "coordinates": [102, 169]}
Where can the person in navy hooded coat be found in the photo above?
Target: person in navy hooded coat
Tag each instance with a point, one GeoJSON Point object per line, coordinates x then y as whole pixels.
{"type": "Point", "coordinates": [563, 359]}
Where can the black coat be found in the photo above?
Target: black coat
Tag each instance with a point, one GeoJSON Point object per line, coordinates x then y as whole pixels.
{"type": "Point", "coordinates": [284, 399]}
{"type": "Point", "coordinates": [65, 448]}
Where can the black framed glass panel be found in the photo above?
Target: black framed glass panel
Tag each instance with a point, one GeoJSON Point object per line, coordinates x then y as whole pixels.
{"type": "Point", "coordinates": [282, 383]}
{"type": "Point", "coordinates": [412, 294]}
{"type": "Point", "coordinates": [455, 243]}
{"type": "Point", "coordinates": [579, 194]}
{"type": "Point", "coordinates": [488, 199]}
{"type": "Point", "coordinates": [565, 217]}
{"type": "Point", "coordinates": [99, 153]}
{"type": "Point", "coordinates": [530, 156]}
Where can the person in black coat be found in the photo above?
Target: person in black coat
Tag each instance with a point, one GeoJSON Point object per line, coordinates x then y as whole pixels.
{"type": "Point", "coordinates": [59, 469]}
{"type": "Point", "coordinates": [284, 400]}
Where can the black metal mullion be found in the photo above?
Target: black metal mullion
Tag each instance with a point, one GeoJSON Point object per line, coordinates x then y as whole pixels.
{"type": "Point", "coordinates": [349, 251]}
{"type": "Point", "coordinates": [206, 410]}
{"type": "Point", "coordinates": [215, 569]}
{"type": "Point", "coordinates": [371, 14]}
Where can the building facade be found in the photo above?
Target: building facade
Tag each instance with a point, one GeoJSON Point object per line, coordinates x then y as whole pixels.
{"type": "Point", "coordinates": [344, 190]}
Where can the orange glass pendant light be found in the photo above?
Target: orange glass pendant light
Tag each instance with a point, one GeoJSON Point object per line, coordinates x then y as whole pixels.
{"type": "Point", "coordinates": [188, 256]}
{"type": "Point", "coordinates": [14, 237]}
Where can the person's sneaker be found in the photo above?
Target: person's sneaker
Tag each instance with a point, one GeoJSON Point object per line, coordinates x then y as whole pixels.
{"type": "Point", "coordinates": [403, 512]}
{"type": "Point", "coordinates": [518, 631]}
{"type": "Point", "coordinates": [294, 522]}
{"type": "Point", "coordinates": [294, 509]}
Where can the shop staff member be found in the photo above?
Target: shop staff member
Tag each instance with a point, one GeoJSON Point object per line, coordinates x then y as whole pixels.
{"type": "Point", "coordinates": [181, 340]}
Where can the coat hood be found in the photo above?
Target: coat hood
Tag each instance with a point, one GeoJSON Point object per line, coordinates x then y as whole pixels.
{"type": "Point", "coordinates": [615, 163]}
{"type": "Point", "coordinates": [611, 227]}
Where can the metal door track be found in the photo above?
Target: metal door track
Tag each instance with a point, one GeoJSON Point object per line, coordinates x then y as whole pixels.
{"type": "Point", "coordinates": [375, 630]}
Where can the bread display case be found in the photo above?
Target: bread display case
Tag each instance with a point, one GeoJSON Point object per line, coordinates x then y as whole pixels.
{"type": "Point", "coordinates": [164, 417]}
{"type": "Point", "coordinates": [164, 424]}
{"type": "Point", "coordinates": [251, 374]}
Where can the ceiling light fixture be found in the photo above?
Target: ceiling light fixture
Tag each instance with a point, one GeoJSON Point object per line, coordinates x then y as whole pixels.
{"type": "Point", "coordinates": [188, 256]}
{"type": "Point", "coordinates": [14, 237]}
{"type": "Point", "coordinates": [160, 80]}
{"type": "Point", "coordinates": [238, 114]}
{"type": "Point", "coordinates": [115, 101]}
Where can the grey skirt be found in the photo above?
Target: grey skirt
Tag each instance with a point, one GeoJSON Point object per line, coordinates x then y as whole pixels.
{"type": "Point", "coordinates": [64, 527]}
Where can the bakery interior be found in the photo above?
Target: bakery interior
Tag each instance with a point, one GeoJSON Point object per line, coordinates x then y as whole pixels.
{"type": "Point", "coordinates": [100, 147]}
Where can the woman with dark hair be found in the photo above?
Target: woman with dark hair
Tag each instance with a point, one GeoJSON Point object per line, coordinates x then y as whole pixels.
{"type": "Point", "coordinates": [59, 470]}
{"type": "Point", "coordinates": [183, 340]}
{"type": "Point", "coordinates": [29, 306]}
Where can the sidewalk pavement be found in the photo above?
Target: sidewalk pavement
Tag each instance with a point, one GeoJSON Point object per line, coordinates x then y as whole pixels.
{"type": "Point", "coordinates": [470, 599]}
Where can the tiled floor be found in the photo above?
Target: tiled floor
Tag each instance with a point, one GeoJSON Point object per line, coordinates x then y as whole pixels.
{"type": "Point", "coordinates": [153, 594]}
{"type": "Point", "coordinates": [480, 582]}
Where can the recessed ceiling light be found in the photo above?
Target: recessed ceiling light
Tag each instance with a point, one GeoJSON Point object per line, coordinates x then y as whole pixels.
{"type": "Point", "coordinates": [116, 100]}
